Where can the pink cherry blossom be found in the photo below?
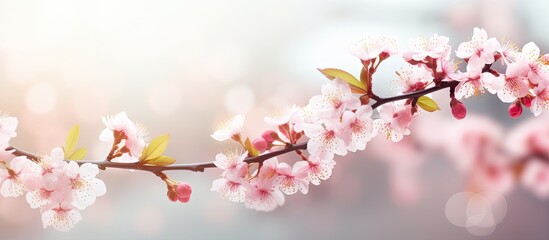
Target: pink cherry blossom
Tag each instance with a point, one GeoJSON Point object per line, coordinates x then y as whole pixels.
{"type": "Point", "coordinates": [85, 186]}
{"type": "Point", "coordinates": [290, 180]}
{"type": "Point", "coordinates": [231, 187]}
{"type": "Point", "coordinates": [508, 52]}
{"type": "Point", "coordinates": [13, 179]}
{"type": "Point", "coordinates": [540, 100]}
{"type": "Point", "coordinates": [232, 163]}
{"type": "Point", "coordinates": [50, 184]}
{"type": "Point", "coordinates": [306, 116]}
{"type": "Point", "coordinates": [318, 168]}
{"type": "Point", "coordinates": [61, 216]}
{"type": "Point", "coordinates": [269, 169]}
{"type": "Point", "coordinates": [530, 56]}
{"type": "Point", "coordinates": [394, 122]}
{"type": "Point", "coordinates": [262, 196]}
{"type": "Point", "coordinates": [132, 134]}
{"type": "Point", "coordinates": [435, 47]}
{"type": "Point", "coordinates": [336, 97]}
{"type": "Point", "coordinates": [479, 48]}
{"type": "Point", "coordinates": [283, 117]}
{"type": "Point", "coordinates": [413, 79]}
{"type": "Point", "coordinates": [52, 168]}
{"type": "Point", "coordinates": [535, 177]}
{"type": "Point", "coordinates": [325, 140]}
{"type": "Point", "coordinates": [39, 197]}
{"type": "Point", "coordinates": [474, 81]}
{"type": "Point", "coordinates": [516, 84]}
{"type": "Point", "coordinates": [7, 128]}
{"type": "Point", "coordinates": [229, 129]}
{"type": "Point", "coordinates": [372, 47]}
{"type": "Point", "coordinates": [357, 128]}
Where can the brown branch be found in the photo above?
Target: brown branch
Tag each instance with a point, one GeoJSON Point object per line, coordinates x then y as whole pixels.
{"type": "Point", "coordinates": [380, 101]}
{"type": "Point", "coordinates": [195, 167]}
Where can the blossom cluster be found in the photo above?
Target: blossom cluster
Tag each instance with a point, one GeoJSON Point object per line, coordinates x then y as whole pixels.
{"type": "Point", "coordinates": [341, 119]}
{"type": "Point", "coordinates": [525, 81]}
{"type": "Point", "coordinates": [58, 188]}
{"type": "Point", "coordinates": [61, 186]}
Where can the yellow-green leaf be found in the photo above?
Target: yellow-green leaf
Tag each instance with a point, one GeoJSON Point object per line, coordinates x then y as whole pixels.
{"type": "Point", "coordinates": [157, 147]}
{"type": "Point", "coordinates": [332, 73]}
{"type": "Point", "coordinates": [143, 154]}
{"type": "Point", "coordinates": [250, 147]}
{"type": "Point", "coordinates": [364, 77]}
{"type": "Point", "coordinates": [427, 104]}
{"type": "Point", "coordinates": [72, 140]}
{"type": "Point", "coordinates": [161, 161]}
{"type": "Point", "coordinates": [78, 154]}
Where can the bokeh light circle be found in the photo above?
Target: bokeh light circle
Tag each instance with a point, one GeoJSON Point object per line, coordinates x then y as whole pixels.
{"type": "Point", "coordinates": [479, 213]}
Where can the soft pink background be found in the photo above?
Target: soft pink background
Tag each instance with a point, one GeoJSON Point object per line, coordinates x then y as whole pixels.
{"type": "Point", "coordinates": [184, 66]}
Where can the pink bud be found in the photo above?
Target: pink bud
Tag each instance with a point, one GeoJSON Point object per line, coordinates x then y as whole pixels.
{"type": "Point", "coordinates": [179, 191]}
{"type": "Point", "coordinates": [527, 101]}
{"type": "Point", "coordinates": [183, 190]}
{"type": "Point", "coordinates": [184, 200]}
{"type": "Point", "coordinates": [269, 136]}
{"type": "Point", "coordinates": [515, 110]}
{"type": "Point", "coordinates": [458, 109]}
{"type": "Point", "coordinates": [260, 144]}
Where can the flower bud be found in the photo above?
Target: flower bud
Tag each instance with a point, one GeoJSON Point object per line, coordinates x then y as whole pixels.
{"type": "Point", "coordinates": [526, 101]}
{"type": "Point", "coordinates": [458, 109]}
{"type": "Point", "coordinates": [184, 191]}
{"type": "Point", "coordinates": [269, 136]}
{"type": "Point", "coordinates": [515, 109]}
{"type": "Point", "coordinates": [364, 99]}
{"type": "Point", "coordinates": [260, 144]}
{"type": "Point", "coordinates": [172, 195]}
{"type": "Point", "coordinates": [179, 191]}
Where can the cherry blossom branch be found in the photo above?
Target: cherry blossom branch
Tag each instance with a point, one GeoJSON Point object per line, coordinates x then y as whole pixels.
{"type": "Point", "coordinates": [195, 167]}
{"type": "Point", "coordinates": [380, 101]}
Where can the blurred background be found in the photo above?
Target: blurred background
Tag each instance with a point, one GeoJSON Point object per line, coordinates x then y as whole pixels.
{"type": "Point", "coordinates": [182, 67]}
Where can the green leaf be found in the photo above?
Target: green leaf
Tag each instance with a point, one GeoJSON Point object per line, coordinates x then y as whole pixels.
{"type": "Point", "coordinates": [72, 140]}
{"type": "Point", "coordinates": [332, 73]}
{"type": "Point", "coordinates": [427, 104]}
{"type": "Point", "coordinates": [157, 147]}
{"type": "Point", "coordinates": [250, 147]}
{"type": "Point", "coordinates": [78, 154]}
{"type": "Point", "coordinates": [161, 161]}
